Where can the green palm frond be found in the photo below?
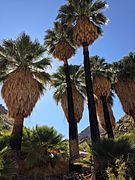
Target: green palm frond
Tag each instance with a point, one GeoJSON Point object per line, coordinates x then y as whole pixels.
{"type": "Point", "coordinates": [47, 141]}
{"type": "Point", "coordinates": [126, 66]}
{"type": "Point", "coordinates": [100, 67]}
{"type": "Point", "coordinates": [26, 54]}
{"type": "Point", "coordinates": [74, 9]}
{"type": "Point", "coordinates": [59, 81]}
{"type": "Point", "coordinates": [60, 32]}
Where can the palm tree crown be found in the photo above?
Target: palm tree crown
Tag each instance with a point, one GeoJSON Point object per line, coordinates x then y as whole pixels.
{"type": "Point", "coordinates": [58, 41]}
{"type": "Point", "coordinates": [86, 17]}
{"type": "Point", "coordinates": [78, 89]}
{"type": "Point", "coordinates": [125, 83]}
{"type": "Point", "coordinates": [23, 73]}
{"type": "Point", "coordinates": [102, 76]}
{"type": "Point", "coordinates": [59, 81]}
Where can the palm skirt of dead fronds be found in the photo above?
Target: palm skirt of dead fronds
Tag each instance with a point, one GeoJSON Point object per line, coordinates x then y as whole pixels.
{"type": "Point", "coordinates": [85, 31]}
{"type": "Point", "coordinates": [101, 86]}
{"type": "Point", "coordinates": [63, 50]}
{"type": "Point", "coordinates": [125, 89]}
{"type": "Point", "coordinates": [100, 114]}
{"type": "Point", "coordinates": [78, 100]}
{"type": "Point", "coordinates": [20, 92]}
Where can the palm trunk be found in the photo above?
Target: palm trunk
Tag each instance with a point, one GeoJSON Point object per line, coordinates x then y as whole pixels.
{"type": "Point", "coordinates": [94, 128]}
{"type": "Point", "coordinates": [107, 118]}
{"type": "Point", "coordinates": [16, 136]}
{"type": "Point", "coordinates": [73, 132]}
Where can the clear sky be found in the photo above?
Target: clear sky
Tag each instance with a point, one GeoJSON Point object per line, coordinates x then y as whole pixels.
{"type": "Point", "coordinates": [36, 16]}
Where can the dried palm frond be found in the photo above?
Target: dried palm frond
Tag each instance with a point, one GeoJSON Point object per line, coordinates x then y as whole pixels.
{"type": "Point", "coordinates": [101, 86]}
{"type": "Point", "coordinates": [85, 31]}
{"type": "Point", "coordinates": [63, 50]}
{"type": "Point", "coordinates": [20, 92]}
{"type": "Point", "coordinates": [100, 114]}
{"type": "Point", "coordinates": [125, 89]}
{"type": "Point", "coordinates": [78, 100]}
{"type": "Point", "coordinates": [112, 118]}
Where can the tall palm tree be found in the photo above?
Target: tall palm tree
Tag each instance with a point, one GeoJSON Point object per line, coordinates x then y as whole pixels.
{"type": "Point", "coordinates": [78, 90]}
{"type": "Point", "coordinates": [102, 87]}
{"type": "Point", "coordinates": [23, 73]}
{"type": "Point", "coordinates": [58, 43]}
{"type": "Point", "coordinates": [86, 17]}
{"type": "Point", "coordinates": [125, 83]}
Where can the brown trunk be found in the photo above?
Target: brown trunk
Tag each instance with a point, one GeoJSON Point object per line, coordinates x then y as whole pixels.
{"type": "Point", "coordinates": [74, 153]}
{"type": "Point", "coordinates": [94, 128]}
{"type": "Point", "coordinates": [73, 133]}
{"type": "Point", "coordinates": [107, 118]}
{"type": "Point", "coordinates": [16, 136]}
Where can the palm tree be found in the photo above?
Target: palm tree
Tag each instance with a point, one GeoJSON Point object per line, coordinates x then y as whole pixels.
{"type": "Point", "coordinates": [86, 17]}
{"type": "Point", "coordinates": [102, 87]}
{"type": "Point", "coordinates": [125, 83]}
{"type": "Point", "coordinates": [49, 143]}
{"type": "Point", "coordinates": [23, 73]}
{"type": "Point", "coordinates": [78, 91]}
{"type": "Point", "coordinates": [100, 113]}
{"type": "Point", "coordinates": [43, 150]}
{"type": "Point", "coordinates": [58, 43]}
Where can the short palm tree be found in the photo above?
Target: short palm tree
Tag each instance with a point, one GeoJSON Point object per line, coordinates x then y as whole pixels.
{"type": "Point", "coordinates": [102, 87]}
{"type": "Point", "coordinates": [58, 43]}
{"type": "Point", "coordinates": [125, 83]}
{"type": "Point", "coordinates": [51, 146]}
{"type": "Point", "coordinates": [86, 17]}
{"type": "Point", "coordinates": [23, 73]}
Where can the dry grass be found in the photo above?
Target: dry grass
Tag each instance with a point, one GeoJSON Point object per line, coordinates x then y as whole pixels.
{"type": "Point", "coordinates": [60, 168]}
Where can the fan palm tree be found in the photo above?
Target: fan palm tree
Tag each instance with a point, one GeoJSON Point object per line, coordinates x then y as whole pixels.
{"type": "Point", "coordinates": [86, 17]}
{"type": "Point", "coordinates": [58, 43]}
{"type": "Point", "coordinates": [78, 91]}
{"type": "Point", "coordinates": [52, 154]}
{"type": "Point", "coordinates": [125, 83]}
{"type": "Point", "coordinates": [23, 74]}
{"type": "Point", "coordinates": [49, 143]}
{"type": "Point", "coordinates": [102, 87]}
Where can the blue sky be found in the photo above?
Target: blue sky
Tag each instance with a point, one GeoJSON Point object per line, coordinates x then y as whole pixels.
{"type": "Point", "coordinates": [36, 16]}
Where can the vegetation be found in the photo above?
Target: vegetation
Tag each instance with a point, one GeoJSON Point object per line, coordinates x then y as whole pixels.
{"type": "Point", "coordinates": [41, 151]}
{"type": "Point", "coordinates": [86, 18]}
{"type": "Point", "coordinates": [78, 92]}
{"type": "Point", "coordinates": [56, 40]}
{"type": "Point", "coordinates": [23, 73]}
{"type": "Point", "coordinates": [102, 79]}
{"type": "Point", "coordinates": [124, 86]}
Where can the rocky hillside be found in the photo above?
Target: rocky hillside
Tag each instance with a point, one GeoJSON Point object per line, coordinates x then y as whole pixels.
{"type": "Point", "coordinates": [85, 134]}
{"type": "Point", "coordinates": [5, 123]}
{"type": "Point", "coordinates": [2, 110]}
{"type": "Point", "coordinates": [124, 125]}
